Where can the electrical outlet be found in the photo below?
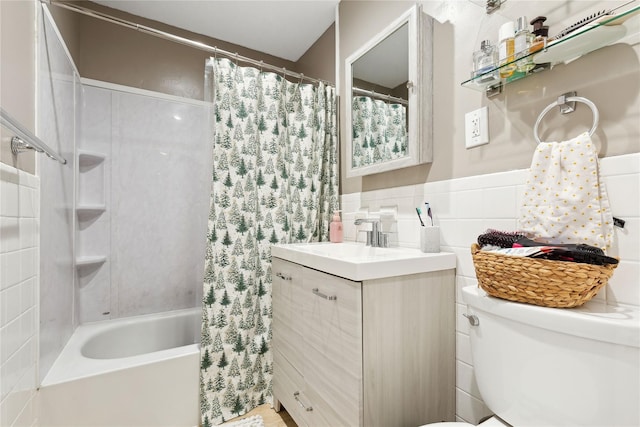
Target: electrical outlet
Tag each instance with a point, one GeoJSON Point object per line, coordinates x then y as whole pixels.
{"type": "Point", "coordinates": [476, 128]}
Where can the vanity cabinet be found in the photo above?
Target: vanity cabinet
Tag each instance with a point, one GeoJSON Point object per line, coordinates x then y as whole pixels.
{"type": "Point", "coordinates": [363, 353]}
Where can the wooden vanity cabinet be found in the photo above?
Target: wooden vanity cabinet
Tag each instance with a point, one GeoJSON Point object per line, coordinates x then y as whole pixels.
{"type": "Point", "coordinates": [363, 353]}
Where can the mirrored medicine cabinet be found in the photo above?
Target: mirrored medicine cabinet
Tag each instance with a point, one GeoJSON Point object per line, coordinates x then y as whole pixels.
{"type": "Point", "coordinates": [389, 95]}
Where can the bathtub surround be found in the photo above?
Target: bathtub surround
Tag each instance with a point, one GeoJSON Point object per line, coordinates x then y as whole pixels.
{"type": "Point", "coordinates": [19, 240]}
{"type": "Point", "coordinates": [274, 181]}
{"type": "Point", "coordinates": [58, 112]}
{"type": "Point", "coordinates": [152, 187]}
{"type": "Point", "coordinates": [465, 207]}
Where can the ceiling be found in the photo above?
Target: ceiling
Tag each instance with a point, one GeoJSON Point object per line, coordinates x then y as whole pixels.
{"type": "Point", "coordinates": [285, 29]}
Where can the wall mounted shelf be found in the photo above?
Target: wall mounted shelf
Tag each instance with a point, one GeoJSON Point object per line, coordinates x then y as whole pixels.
{"type": "Point", "coordinates": [86, 212]}
{"type": "Point", "coordinates": [593, 36]}
{"type": "Point", "coordinates": [90, 261]}
{"type": "Point", "coordinates": [88, 160]}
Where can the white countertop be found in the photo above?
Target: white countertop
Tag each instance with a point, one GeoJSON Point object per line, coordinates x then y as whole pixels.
{"type": "Point", "coordinates": [355, 261]}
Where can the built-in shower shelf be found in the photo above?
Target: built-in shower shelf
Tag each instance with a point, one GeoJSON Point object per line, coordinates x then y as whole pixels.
{"type": "Point", "coordinates": [86, 212]}
{"type": "Point", "coordinates": [88, 159]}
{"type": "Point", "coordinates": [90, 261]}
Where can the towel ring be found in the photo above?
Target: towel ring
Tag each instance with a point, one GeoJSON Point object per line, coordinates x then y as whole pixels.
{"type": "Point", "coordinates": [594, 109]}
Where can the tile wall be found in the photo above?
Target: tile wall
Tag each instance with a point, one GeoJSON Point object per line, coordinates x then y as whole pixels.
{"type": "Point", "coordinates": [465, 207]}
{"type": "Point", "coordinates": [19, 239]}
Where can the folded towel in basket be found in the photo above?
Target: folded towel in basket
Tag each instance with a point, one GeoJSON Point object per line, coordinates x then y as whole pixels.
{"type": "Point", "coordinates": [565, 200]}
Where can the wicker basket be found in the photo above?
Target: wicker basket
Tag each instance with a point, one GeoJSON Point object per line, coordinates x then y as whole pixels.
{"type": "Point", "coordinates": [539, 281]}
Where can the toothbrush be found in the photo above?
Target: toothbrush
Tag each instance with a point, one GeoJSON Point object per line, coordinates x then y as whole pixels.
{"type": "Point", "coordinates": [428, 209]}
{"type": "Point", "coordinates": [418, 211]}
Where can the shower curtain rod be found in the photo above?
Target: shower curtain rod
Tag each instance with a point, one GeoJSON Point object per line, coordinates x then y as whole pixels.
{"type": "Point", "coordinates": [178, 39]}
{"type": "Point", "coordinates": [375, 94]}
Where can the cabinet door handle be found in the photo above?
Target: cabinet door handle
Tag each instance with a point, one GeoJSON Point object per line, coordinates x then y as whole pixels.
{"type": "Point", "coordinates": [325, 296]}
{"type": "Point", "coordinates": [282, 276]}
{"type": "Point", "coordinates": [296, 396]}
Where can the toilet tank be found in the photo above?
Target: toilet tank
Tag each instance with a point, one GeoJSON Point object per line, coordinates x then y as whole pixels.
{"type": "Point", "coordinates": [540, 366]}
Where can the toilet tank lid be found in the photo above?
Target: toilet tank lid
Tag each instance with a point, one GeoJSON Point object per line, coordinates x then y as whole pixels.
{"type": "Point", "coordinates": [594, 320]}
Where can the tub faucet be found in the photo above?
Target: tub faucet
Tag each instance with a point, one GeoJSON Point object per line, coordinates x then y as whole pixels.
{"type": "Point", "coordinates": [375, 237]}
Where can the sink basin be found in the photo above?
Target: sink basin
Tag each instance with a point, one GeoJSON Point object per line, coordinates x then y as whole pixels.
{"type": "Point", "coordinates": [355, 261]}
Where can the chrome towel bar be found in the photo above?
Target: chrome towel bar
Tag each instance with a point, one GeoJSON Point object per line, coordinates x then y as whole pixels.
{"type": "Point", "coordinates": [25, 140]}
{"type": "Point", "coordinates": [566, 108]}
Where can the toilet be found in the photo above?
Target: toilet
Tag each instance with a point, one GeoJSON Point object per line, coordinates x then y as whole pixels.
{"type": "Point", "coordinates": [539, 366]}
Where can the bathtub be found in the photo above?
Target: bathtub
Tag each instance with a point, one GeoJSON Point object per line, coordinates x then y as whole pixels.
{"type": "Point", "coordinates": [135, 371]}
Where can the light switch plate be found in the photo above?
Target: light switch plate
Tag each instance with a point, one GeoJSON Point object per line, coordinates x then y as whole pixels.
{"type": "Point", "coordinates": [476, 127]}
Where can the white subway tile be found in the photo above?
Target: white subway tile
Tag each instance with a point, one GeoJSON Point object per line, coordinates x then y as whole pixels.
{"type": "Point", "coordinates": [469, 408]}
{"type": "Point", "coordinates": [499, 202]}
{"type": "Point", "coordinates": [462, 324]}
{"type": "Point", "coordinates": [27, 202]}
{"type": "Point", "coordinates": [468, 204]}
{"type": "Point", "coordinates": [466, 379]}
{"type": "Point", "coordinates": [9, 234]}
{"type": "Point", "coordinates": [620, 165]}
{"type": "Point", "coordinates": [624, 285]}
{"type": "Point", "coordinates": [8, 174]}
{"type": "Point", "coordinates": [463, 348]}
{"type": "Point", "coordinates": [29, 265]}
{"type": "Point", "coordinates": [10, 269]}
{"type": "Point", "coordinates": [626, 242]}
{"type": "Point", "coordinates": [9, 202]}
{"type": "Point", "coordinates": [624, 195]}
{"type": "Point", "coordinates": [28, 228]}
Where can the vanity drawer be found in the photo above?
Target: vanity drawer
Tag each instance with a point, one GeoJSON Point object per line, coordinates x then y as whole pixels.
{"type": "Point", "coordinates": [289, 389]}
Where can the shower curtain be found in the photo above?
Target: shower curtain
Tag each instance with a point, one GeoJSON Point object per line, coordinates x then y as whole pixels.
{"type": "Point", "coordinates": [274, 180]}
{"type": "Point", "coordinates": [379, 131]}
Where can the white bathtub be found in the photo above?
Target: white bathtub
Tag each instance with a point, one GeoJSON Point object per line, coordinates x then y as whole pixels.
{"type": "Point", "coordinates": [136, 371]}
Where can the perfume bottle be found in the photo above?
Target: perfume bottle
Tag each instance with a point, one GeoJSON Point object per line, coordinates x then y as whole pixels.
{"type": "Point", "coordinates": [540, 34]}
{"type": "Point", "coordinates": [506, 49]}
{"type": "Point", "coordinates": [485, 60]}
{"type": "Point", "coordinates": [523, 40]}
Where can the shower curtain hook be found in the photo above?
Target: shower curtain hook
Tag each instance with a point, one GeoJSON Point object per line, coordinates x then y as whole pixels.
{"type": "Point", "coordinates": [261, 65]}
{"type": "Point", "coordinates": [215, 53]}
{"type": "Point", "coordinates": [301, 77]}
{"type": "Point", "coordinates": [284, 73]}
{"type": "Point", "coordinates": [236, 59]}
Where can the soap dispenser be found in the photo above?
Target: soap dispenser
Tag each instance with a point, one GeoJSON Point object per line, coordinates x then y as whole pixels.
{"type": "Point", "coordinates": [335, 228]}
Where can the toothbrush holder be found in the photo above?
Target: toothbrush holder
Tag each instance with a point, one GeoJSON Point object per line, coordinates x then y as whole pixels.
{"type": "Point", "coordinates": [430, 239]}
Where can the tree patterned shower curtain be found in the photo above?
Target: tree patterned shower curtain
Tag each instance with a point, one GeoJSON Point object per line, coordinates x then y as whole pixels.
{"type": "Point", "coordinates": [275, 180]}
{"type": "Point", "coordinates": [379, 131]}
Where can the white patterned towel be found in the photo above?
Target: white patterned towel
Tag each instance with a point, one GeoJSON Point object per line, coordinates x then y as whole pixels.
{"type": "Point", "coordinates": [565, 200]}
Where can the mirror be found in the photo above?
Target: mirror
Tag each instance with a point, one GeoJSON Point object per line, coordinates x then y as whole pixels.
{"type": "Point", "coordinates": [388, 102]}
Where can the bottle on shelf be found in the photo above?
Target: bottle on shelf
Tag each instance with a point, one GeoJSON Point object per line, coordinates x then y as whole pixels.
{"type": "Point", "coordinates": [335, 228]}
{"type": "Point", "coordinates": [523, 40]}
{"type": "Point", "coordinates": [484, 61]}
{"type": "Point", "coordinates": [506, 49]}
{"type": "Point", "coordinates": [540, 34]}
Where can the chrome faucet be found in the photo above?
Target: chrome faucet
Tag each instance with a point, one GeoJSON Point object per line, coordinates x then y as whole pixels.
{"type": "Point", "coordinates": [375, 237]}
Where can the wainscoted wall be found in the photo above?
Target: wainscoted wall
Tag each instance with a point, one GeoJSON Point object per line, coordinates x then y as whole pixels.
{"type": "Point", "coordinates": [465, 207]}
{"type": "Point", "coordinates": [19, 238]}
{"type": "Point", "coordinates": [154, 184]}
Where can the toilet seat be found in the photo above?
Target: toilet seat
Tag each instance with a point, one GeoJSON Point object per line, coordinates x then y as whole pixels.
{"type": "Point", "coordinates": [491, 422]}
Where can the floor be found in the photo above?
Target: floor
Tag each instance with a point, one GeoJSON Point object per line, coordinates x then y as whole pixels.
{"type": "Point", "coordinates": [270, 417]}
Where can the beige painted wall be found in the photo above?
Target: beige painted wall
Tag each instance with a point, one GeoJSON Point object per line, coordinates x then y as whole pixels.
{"type": "Point", "coordinates": [108, 52]}
{"type": "Point", "coordinates": [610, 77]}
{"type": "Point", "coordinates": [18, 74]}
